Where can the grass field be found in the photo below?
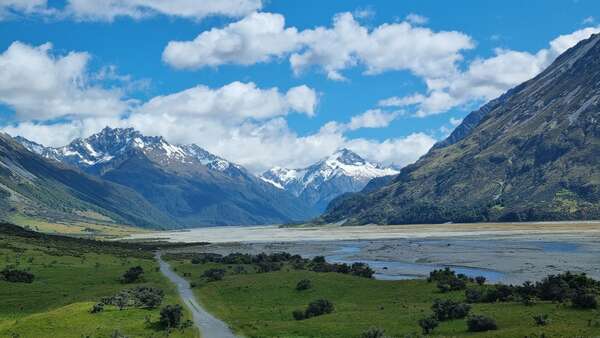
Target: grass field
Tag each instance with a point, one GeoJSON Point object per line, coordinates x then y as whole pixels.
{"type": "Point", "coordinates": [261, 305]}
{"type": "Point", "coordinates": [70, 277]}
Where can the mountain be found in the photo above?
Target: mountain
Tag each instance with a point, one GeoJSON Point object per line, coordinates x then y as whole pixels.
{"type": "Point", "coordinates": [32, 186]}
{"type": "Point", "coordinates": [533, 154]}
{"type": "Point", "coordinates": [318, 184]}
{"type": "Point", "coordinates": [186, 182]}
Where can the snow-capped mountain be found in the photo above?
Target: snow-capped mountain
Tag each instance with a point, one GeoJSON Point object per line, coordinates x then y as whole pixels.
{"type": "Point", "coordinates": [110, 144]}
{"type": "Point", "coordinates": [342, 172]}
{"type": "Point", "coordinates": [187, 182]}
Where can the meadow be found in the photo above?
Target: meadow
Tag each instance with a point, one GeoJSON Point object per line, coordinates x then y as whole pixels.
{"type": "Point", "coordinates": [260, 304]}
{"type": "Point", "coordinates": [70, 276]}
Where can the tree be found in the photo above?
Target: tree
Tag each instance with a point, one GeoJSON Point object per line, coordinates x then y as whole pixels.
{"type": "Point", "coordinates": [170, 316]}
{"type": "Point", "coordinates": [132, 275]}
{"type": "Point", "coordinates": [480, 280]}
{"type": "Point", "coordinates": [583, 299]}
{"type": "Point", "coordinates": [304, 284]}
{"type": "Point", "coordinates": [480, 323]}
{"type": "Point", "coordinates": [428, 324]}
{"type": "Point", "coordinates": [317, 308]}
{"type": "Point", "coordinates": [449, 309]}
{"type": "Point", "coordinates": [298, 314]}
{"type": "Point", "coordinates": [213, 275]}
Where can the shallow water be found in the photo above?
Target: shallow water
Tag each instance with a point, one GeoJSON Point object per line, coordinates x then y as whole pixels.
{"type": "Point", "coordinates": [398, 270]}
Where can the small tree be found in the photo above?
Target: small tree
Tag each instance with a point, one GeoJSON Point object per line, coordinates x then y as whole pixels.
{"type": "Point", "coordinates": [132, 275]}
{"type": "Point", "coordinates": [428, 324]}
{"type": "Point", "coordinates": [373, 332]}
{"type": "Point", "coordinates": [304, 284]}
{"type": "Point", "coordinates": [213, 275]}
{"type": "Point", "coordinates": [171, 315]}
{"type": "Point", "coordinates": [480, 323]}
{"type": "Point", "coordinates": [449, 309]}
{"type": "Point", "coordinates": [584, 300]}
{"type": "Point", "coordinates": [480, 280]}
{"type": "Point", "coordinates": [298, 314]}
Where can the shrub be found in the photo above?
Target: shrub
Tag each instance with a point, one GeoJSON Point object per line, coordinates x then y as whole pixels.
{"type": "Point", "coordinates": [141, 297]}
{"type": "Point", "coordinates": [304, 284]}
{"type": "Point", "coordinates": [213, 275]}
{"type": "Point", "coordinates": [132, 275]}
{"type": "Point", "coordinates": [480, 323]}
{"type": "Point", "coordinates": [473, 295]}
{"type": "Point", "coordinates": [449, 309]}
{"type": "Point", "coordinates": [99, 307]}
{"type": "Point", "coordinates": [480, 280]}
{"type": "Point", "coordinates": [428, 324]}
{"type": "Point", "coordinates": [16, 276]}
{"type": "Point", "coordinates": [541, 320]}
{"type": "Point", "coordinates": [362, 270]}
{"type": "Point", "coordinates": [298, 314]}
{"type": "Point", "coordinates": [504, 292]}
{"type": "Point", "coordinates": [373, 332]}
{"type": "Point", "coordinates": [170, 316]}
{"type": "Point", "coordinates": [584, 300]}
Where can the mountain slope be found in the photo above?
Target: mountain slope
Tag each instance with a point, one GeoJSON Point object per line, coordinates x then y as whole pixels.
{"type": "Point", "coordinates": [33, 186]}
{"type": "Point", "coordinates": [186, 182]}
{"type": "Point", "coordinates": [534, 155]}
{"type": "Point", "coordinates": [318, 184]}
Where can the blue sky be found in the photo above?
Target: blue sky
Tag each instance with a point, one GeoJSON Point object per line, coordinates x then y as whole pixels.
{"type": "Point", "coordinates": [124, 74]}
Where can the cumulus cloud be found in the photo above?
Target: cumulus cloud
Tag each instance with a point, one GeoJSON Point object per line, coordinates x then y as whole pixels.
{"type": "Point", "coordinates": [263, 36]}
{"type": "Point", "coordinates": [39, 85]}
{"type": "Point", "coordinates": [108, 10]}
{"type": "Point", "coordinates": [485, 79]}
{"type": "Point", "coordinates": [256, 38]}
{"type": "Point", "coordinates": [373, 118]}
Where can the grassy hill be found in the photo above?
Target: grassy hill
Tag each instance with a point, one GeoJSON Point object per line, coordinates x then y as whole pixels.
{"type": "Point", "coordinates": [260, 304]}
{"type": "Point", "coordinates": [71, 275]}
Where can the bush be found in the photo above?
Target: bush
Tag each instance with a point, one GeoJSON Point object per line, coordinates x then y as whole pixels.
{"type": "Point", "coordinates": [479, 323]}
{"type": "Point", "coordinates": [373, 332]}
{"type": "Point", "coordinates": [317, 308]}
{"type": "Point", "coordinates": [213, 275]}
{"type": "Point", "coordinates": [362, 270]}
{"type": "Point", "coordinates": [99, 307]}
{"type": "Point", "coordinates": [584, 300]}
{"type": "Point", "coordinates": [480, 280]}
{"type": "Point", "coordinates": [132, 275]}
{"type": "Point", "coordinates": [298, 314]}
{"type": "Point", "coordinates": [428, 324]}
{"type": "Point", "coordinates": [449, 309]}
{"type": "Point", "coordinates": [304, 284]}
{"type": "Point", "coordinates": [473, 295]}
{"type": "Point", "coordinates": [170, 316]}
{"type": "Point", "coordinates": [16, 276]}
{"type": "Point", "coordinates": [541, 320]}
{"type": "Point", "coordinates": [140, 297]}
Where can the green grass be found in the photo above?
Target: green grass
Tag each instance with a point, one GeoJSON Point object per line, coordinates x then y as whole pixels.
{"type": "Point", "coordinates": [69, 279]}
{"type": "Point", "coordinates": [261, 305]}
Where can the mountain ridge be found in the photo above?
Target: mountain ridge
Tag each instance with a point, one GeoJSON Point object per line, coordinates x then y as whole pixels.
{"type": "Point", "coordinates": [534, 155]}
{"type": "Point", "coordinates": [342, 172]}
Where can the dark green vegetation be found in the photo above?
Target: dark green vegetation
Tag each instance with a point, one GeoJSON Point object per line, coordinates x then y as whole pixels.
{"type": "Point", "coordinates": [38, 188]}
{"type": "Point", "coordinates": [256, 303]}
{"type": "Point", "coordinates": [533, 154]}
{"type": "Point", "coordinates": [76, 290]}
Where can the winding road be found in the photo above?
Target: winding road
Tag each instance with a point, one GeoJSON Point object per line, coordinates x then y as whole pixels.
{"type": "Point", "coordinates": [209, 326]}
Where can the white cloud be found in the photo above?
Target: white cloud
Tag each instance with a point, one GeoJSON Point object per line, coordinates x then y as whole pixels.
{"type": "Point", "coordinates": [485, 79]}
{"type": "Point", "coordinates": [232, 103]}
{"type": "Point", "coordinates": [263, 36]}
{"type": "Point", "coordinates": [589, 20]}
{"type": "Point", "coordinates": [108, 10]}
{"type": "Point", "coordinates": [373, 118]}
{"type": "Point", "coordinates": [398, 151]}
{"type": "Point", "coordinates": [455, 122]}
{"type": "Point", "coordinates": [39, 85]}
{"type": "Point", "coordinates": [416, 19]}
{"type": "Point", "coordinates": [256, 38]}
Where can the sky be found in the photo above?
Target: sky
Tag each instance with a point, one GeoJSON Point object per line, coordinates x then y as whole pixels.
{"type": "Point", "coordinates": [273, 82]}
